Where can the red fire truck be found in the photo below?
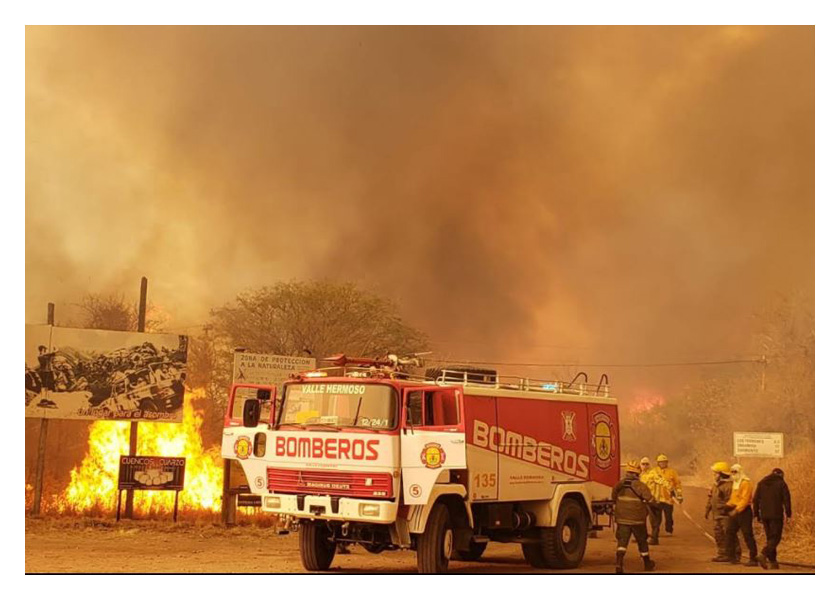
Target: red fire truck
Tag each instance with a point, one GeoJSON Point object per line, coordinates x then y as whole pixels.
{"type": "Point", "coordinates": [364, 453]}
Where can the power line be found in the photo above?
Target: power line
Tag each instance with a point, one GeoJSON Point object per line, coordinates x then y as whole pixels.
{"type": "Point", "coordinates": [605, 365]}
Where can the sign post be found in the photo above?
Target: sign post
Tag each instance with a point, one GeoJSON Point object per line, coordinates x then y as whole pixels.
{"type": "Point", "coordinates": [758, 444]}
{"type": "Point", "coordinates": [132, 434]}
{"type": "Point", "coordinates": [42, 440]}
{"type": "Point", "coordinates": [150, 473]}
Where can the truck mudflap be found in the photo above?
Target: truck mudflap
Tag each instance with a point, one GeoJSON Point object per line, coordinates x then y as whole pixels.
{"type": "Point", "coordinates": [602, 514]}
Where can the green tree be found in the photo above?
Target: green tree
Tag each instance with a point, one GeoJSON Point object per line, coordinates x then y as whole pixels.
{"type": "Point", "coordinates": [315, 318]}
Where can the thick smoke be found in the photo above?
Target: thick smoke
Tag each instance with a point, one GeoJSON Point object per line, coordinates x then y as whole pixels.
{"type": "Point", "coordinates": [553, 194]}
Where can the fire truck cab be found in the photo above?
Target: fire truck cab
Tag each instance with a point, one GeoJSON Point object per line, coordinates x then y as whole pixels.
{"type": "Point", "coordinates": [441, 464]}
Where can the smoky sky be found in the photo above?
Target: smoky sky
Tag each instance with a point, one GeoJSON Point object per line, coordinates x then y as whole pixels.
{"type": "Point", "coordinates": [609, 193]}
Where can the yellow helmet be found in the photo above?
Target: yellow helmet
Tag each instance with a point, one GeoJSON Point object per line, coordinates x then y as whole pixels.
{"type": "Point", "coordinates": [632, 466]}
{"type": "Point", "coordinates": [661, 458]}
{"type": "Point", "coordinates": [721, 467]}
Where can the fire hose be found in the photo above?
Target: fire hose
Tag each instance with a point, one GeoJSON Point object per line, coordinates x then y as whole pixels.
{"type": "Point", "coordinates": [711, 537]}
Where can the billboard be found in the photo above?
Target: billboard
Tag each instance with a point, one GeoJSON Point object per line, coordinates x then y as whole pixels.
{"type": "Point", "coordinates": [152, 473]}
{"type": "Point", "coordinates": [104, 375]}
{"type": "Point", "coordinates": [268, 369]}
{"type": "Point", "coordinates": [758, 444]}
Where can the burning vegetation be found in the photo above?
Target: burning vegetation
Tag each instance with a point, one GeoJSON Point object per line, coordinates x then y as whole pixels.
{"type": "Point", "coordinates": [93, 484]}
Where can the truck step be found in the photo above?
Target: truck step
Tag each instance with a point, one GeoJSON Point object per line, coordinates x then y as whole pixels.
{"type": "Point", "coordinates": [480, 539]}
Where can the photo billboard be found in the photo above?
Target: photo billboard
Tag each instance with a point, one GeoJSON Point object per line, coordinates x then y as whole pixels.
{"type": "Point", "coordinates": [104, 375]}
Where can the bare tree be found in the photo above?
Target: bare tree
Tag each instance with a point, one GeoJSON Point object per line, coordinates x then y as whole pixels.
{"type": "Point", "coordinates": [114, 312]}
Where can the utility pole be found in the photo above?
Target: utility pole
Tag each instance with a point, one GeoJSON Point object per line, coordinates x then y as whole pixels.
{"type": "Point", "coordinates": [132, 436]}
{"type": "Point", "coordinates": [763, 372]}
{"type": "Point", "coordinates": [42, 440]}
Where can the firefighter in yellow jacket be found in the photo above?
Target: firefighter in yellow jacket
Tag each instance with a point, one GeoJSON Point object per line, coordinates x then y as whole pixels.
{"type": "Point", "coordinates": [676, 492]}
{"type": "Point", "coordinates": [740, 516]}
{"type": "Point", "coordinates": [660, 489]}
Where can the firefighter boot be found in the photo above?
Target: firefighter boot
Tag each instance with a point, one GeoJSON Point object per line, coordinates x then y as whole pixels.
{"type": "Point", "coordinates": [650, 565]}
{"type": "Point", "coordinates": [619, 563]}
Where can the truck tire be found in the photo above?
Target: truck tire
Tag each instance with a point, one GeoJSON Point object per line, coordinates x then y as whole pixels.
{"type": "Point", "coordinates": [434, 546]}
{"type": "Point", "coordinates": [534, 556]}
{"type": "Point", "coordinates": [316, 550]}
{"type": "Point", "coordinates": [564, 545]}
{"type": "Point", "coordinates": [471, 555]}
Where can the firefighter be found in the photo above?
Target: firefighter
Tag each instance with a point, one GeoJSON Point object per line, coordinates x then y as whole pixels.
{"type": "Point", "coordinates": [659, 489]}
{"type": "Point", "coordinates": [716, 506]}
{"type": "Point", "coordinates": [772, 507]}
{"type": "Point", "coordinates": [741, 516]}
{"type": "Point", "coordinates": [675, 492]}
{"type": "Point", "coordinates": [631, 498]}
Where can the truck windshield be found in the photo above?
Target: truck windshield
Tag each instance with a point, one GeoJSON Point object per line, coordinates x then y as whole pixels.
{"type": "Point", "coordinates": [340, 405]}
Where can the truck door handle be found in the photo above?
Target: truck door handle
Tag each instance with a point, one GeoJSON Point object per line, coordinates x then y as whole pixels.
{"type": "Point", "coordinates": [458, 441]}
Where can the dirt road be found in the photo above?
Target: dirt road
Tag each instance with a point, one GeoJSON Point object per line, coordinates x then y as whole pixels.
{"type": "Point", "coordinates": [72, 546]}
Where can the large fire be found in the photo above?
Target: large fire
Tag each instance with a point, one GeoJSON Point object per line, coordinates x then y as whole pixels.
{"type": "Point", "coordinates": [93, 484]}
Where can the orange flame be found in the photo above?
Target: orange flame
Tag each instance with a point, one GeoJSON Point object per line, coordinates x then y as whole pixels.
{"type": "Point", "coordinates": [93, 484]}
{"type": "Point", "coordinates": [644, 403]}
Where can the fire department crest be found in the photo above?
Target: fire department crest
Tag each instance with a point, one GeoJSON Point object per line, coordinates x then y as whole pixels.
{"type": "Point", "coordinates": [568, 426]}
{"type": "Point", "coordinates": [433, 456]}
{"type": "Point", "coordinates": [242, 447]}
{"type": "Point", "coordinates": [603, 440]}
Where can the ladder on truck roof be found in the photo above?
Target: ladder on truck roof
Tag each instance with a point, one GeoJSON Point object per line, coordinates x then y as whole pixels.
{"type": "Point", "coordinates": [578, 386]}
{"type": "Point", "coordinates": [476, 378]}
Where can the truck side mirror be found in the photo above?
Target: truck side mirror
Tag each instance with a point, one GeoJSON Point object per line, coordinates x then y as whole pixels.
{"type": "Point", "coordinates": [251, 412]}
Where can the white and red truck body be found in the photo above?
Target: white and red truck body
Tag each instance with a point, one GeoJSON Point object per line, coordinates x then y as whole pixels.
{"type": "Point", "coordinates": [504, 458]}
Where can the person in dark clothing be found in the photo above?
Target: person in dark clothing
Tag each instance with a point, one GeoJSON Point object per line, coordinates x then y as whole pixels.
{"type": "Point", "coordinates": [771, 505]}
{"type": "Point", "coordinates": [632, 498]}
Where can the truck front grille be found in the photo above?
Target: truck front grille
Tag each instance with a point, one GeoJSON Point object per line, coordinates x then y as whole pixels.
{"type": "Point", "coordinates": [331, 483]}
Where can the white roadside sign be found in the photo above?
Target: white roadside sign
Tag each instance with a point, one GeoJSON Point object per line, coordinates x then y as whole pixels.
{"type": "Point", "coordinates": [268, 369]}
{"type": "Point", "coordinates": [758, 444]}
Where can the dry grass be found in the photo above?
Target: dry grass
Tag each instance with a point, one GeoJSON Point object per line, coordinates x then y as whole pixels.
{"type": "Point", "coordinates": [205, 528]}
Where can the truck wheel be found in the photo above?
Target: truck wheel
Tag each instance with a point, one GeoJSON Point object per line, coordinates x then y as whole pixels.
{"type": "Point", "coordinates": [434, 546]}
{"type": "Point", "coordinates": [534, 556]}
{"type": "Point", "coordinates": [316, 549]}
{"type": "Point", "coordinates": [564, 544]}
{"type": "Point", "coordinates": [473, 554]}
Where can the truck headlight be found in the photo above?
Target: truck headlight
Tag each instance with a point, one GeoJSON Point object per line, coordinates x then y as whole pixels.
{"type": "Point", "coordinates": [270, 502]}
{"type": "Point", "coordinates": [368, 510]}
